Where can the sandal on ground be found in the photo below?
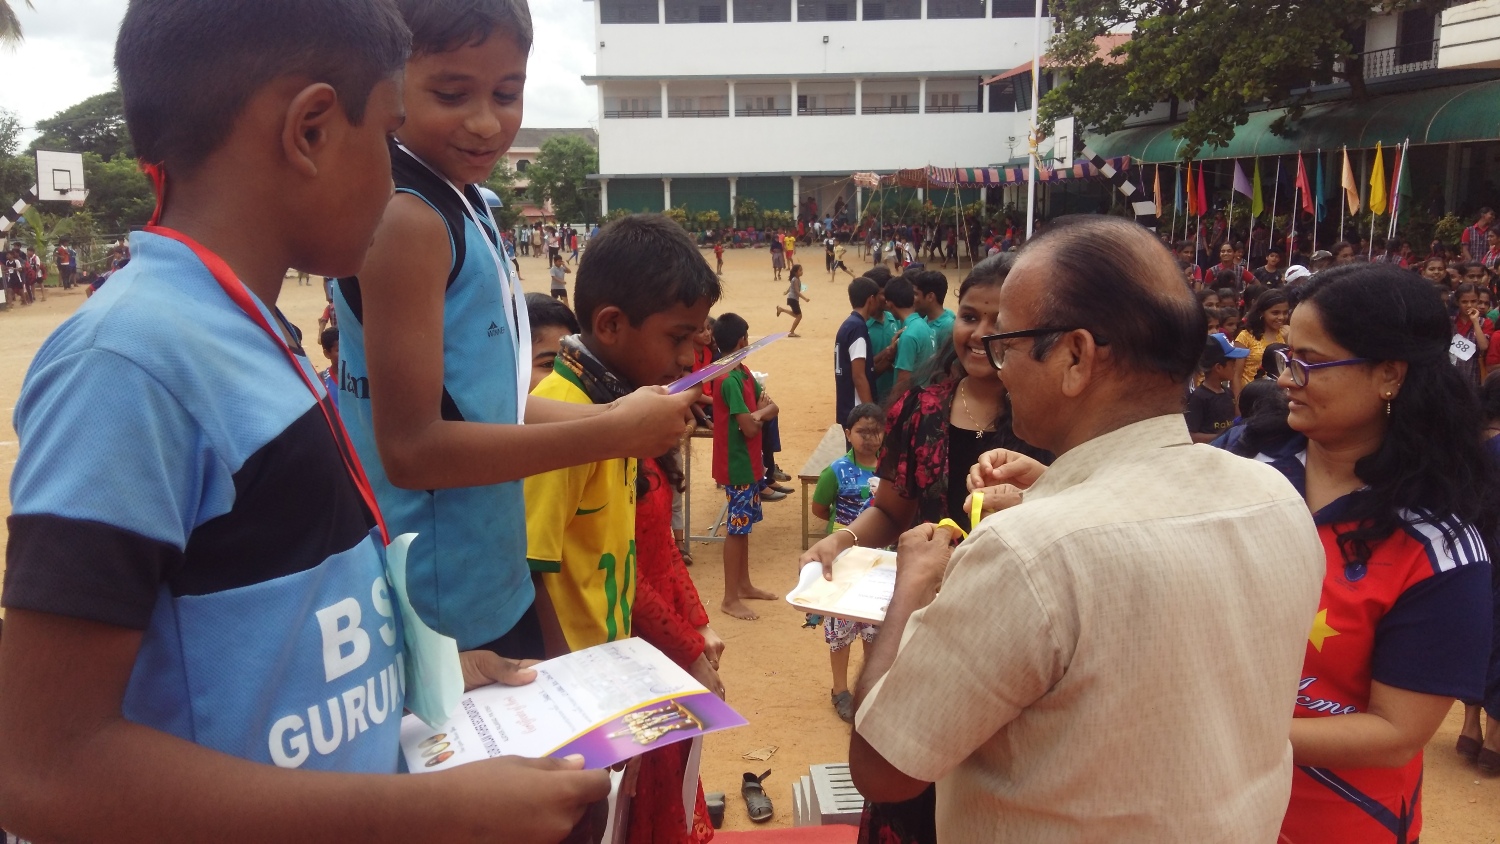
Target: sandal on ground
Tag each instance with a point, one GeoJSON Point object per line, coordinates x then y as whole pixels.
{"type": "Point", "coordinates": [1489, 761]}
{"type": "Point", "coordinates": [778, 475]}
{"type": "Point", "coordinates": [756, 801]}
{"type": "Point", "coordinates": [1468, 748]}
{"type": "Point", "coordinates": [843, 704]}
{"type": "Point", "coordinates": [682, 551]}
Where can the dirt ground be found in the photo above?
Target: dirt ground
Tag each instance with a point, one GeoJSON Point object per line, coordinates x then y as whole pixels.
{"type": "Point", "coordinates": [776, 672]}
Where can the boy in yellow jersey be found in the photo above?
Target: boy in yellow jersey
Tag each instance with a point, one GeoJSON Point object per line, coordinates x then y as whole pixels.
{"type": "Point", "coordinates": [643, 292]}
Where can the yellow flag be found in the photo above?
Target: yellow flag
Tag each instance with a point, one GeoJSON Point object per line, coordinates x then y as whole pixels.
{"type": "Point", "coordinates": [1377, 183]}
{"type": "Point", "coordinates": [1351, 187]}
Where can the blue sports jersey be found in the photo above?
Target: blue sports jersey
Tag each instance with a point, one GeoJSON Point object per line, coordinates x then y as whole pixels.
{"type": "Point", "coordinates": [466, 570]}
{"type": "Point", "coordinates": [212, 511]}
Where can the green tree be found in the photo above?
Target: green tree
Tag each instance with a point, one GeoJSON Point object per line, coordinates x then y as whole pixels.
{"type": "Point", "coordinates": [1227, 59]}
{"type": "Point", "coordinates": [95, 125]}
{"type": "Point", "coordinates": [503, 182]}
{"type": "Point", "coordinates": [10, 132]}
{"type": "Point", "coordinates": [45, 230]}
{"type": "Point", "coordinates": [560, 176]}
{"type": "Point", "coordinates": [10, 24]}
{"type": "Point", "coordinates": [120, 195]}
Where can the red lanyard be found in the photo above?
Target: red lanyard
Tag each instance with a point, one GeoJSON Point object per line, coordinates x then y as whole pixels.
{"type": "Point", "coordinates": [236, 291]}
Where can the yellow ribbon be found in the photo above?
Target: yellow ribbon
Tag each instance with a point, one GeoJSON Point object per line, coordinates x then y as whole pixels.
{"type": "Point", "coordinates": [976, 507]}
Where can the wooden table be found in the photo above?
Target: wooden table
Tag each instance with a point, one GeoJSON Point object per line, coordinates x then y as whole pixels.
{"type": "Point", "coordinates": [830, 449]}
{"type": "Point", "coordinates": [699, 433]}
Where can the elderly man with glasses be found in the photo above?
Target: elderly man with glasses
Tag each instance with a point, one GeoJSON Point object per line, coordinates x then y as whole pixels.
{"type": "Point", "coordinates": [1115, 658]}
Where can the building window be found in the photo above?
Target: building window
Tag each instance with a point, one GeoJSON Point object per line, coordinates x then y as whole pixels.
{"type": "Point", "coordinates": [1003, 95]}
{"type": "Point", "coordinates": [893, 10]}
{"type": "Point", "coordinates": [762, 11]}
{"type": "Point", "coordinates": [627, 11]}
{"type": "Point", "coordinates": [823, 10]}
{"type": "Point", "coordinates": [522, 166]}
{"type": "Point", "coordinates": [632, 107]}
{"type": "Point", "coordinates": [940, 9]}
{"type": "Point", "coordinates": [1016, 8]}
{"type": "Point", "coordinates": [696, 11]}
{"type": "Point", "coordinates": [1416, 36]}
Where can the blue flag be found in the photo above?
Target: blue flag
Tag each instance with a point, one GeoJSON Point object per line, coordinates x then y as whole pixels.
{"type": "Point", "coordinates": [1322, 208]}
{"type": "Point", "coordinates": [1177, 198]}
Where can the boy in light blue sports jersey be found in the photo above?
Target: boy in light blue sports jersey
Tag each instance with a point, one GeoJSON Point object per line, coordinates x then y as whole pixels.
{"type": "Point", "coordinates": [200, 602]}
{"type": "Point", "coordinates": [435, 347]}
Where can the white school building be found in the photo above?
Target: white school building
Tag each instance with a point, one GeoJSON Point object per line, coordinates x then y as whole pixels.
{"type": "Point", "coordinates": [704, 101]}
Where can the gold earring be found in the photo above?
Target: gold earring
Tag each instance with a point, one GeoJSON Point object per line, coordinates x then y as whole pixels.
{"type": "Point", "coordinates": [1388, 397]}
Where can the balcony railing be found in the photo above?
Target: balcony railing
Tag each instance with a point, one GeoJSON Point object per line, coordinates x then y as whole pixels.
{"type": "Point", "coordinates": [763, 112]}
{"type": "Point", "coordinates": [826, 111]}
{"type": "Point", "coordinates": [699, 112]}
{"type": "Point", "coordinates": [911, 109]}
{"type": "Point", "coordinates": [1403, 58]}
{"type": "Point", "coordinates": [630, 115]}
{"type": "Point", "coordinates": [952, 109]}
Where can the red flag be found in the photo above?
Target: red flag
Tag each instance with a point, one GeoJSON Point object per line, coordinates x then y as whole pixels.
{"type": "Point", "coordinates": [1303, 187]}
{"type": "Point", "coordinates": [1202, 193]}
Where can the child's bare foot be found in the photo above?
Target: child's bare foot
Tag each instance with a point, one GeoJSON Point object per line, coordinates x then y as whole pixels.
{"type": "Point", "coordinates": [793, 334]}
{"type": "Point", "coordinates": [738, 610]}
{"type": "Point", "coordinates": [758, 594]}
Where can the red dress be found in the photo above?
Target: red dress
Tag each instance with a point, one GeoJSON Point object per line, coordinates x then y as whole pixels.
{"type": "Point", "coordinates": [667, 613]}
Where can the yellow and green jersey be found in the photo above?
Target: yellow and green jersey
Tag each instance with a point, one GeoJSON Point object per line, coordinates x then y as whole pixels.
{"type": "Point", "coordinates": [580, 535]}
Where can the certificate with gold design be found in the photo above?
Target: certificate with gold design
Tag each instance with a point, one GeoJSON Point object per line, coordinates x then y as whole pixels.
{"type": "Point", "coordinates": [607, 703]}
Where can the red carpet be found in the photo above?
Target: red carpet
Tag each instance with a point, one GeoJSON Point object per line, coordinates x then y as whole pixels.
{"type": "Point", "coordinates": [832, 834]}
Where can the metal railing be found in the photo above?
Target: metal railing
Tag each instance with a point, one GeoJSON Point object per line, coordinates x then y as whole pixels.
{"type": "Point", "coordinates": [826, 111]}
{"type": "Point", "coordinates": [628, 115]}
{"type": "Point", "coordinates": [910, 109]}
{"type": "Point", "coordinates": [763, 112]}
{"type": "Point", "coordinates": [1402, 58]}
{"type": "Point", "coordinates": [952, 109]}
{"type": "Point", "coordinates": [699, 112]}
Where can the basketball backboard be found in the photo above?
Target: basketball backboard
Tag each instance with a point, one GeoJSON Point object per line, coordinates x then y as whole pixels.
{"type": "Point", "coordinates": [59, 176]}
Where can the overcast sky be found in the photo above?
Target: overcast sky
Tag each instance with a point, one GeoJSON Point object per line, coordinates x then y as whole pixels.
{"type": "Point", "coordinates": [68, 56]}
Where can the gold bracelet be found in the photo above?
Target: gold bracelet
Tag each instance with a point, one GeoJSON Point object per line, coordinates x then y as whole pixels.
{"type": "Point", "coordinates": [850, 532]}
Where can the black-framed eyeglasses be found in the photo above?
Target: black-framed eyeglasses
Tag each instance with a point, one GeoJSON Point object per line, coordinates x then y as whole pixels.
{"type": "Point", "coordinates": [1300, 370]}
{"type": "Point", "coordinates": [995, 344]}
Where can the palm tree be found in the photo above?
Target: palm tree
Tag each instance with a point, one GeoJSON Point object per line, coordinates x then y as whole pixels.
{"type": "Point", "coordinates": [10, 24]}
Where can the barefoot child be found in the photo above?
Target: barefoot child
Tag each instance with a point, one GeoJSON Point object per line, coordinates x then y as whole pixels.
{"type": "Point", "coordinates": [559, 275]}
{"type": "Point", "coordinates": [436, 347]}
{"type": "Point", "coordinates": [794, 297]}
{"type": "Point", "coordinates": [643, 294]}
{"type": "Point", "coordinates": [739, 415]}
{"type": "Point", "coordinates": [189, 619]}
{"type": "Point", "coordinates": [843, 492]}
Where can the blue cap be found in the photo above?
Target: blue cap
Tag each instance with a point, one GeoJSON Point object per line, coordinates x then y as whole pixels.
{"type": "Point", "coordinates": [1218, 341]}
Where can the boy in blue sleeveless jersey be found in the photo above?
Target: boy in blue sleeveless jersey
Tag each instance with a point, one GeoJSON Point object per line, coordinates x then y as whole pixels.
{"type": "Point", "coordinates": [435, 347]}
{"type": "Point", "coordinates": [201, 602]}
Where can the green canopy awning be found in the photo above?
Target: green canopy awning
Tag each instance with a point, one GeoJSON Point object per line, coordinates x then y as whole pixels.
{"type": "Point", "coordinates": [1432, 116]}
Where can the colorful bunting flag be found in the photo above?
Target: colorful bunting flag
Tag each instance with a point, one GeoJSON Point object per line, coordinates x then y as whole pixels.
{"type": "Point", "coordinates": [1203, 207]}
{"type": "Point", "coordinates": [1257, 202]}
{"type": "Point", "coordinates": [1351, 187]}
{"type": "Point", "coordinates": [1377, 183]}
{"type": "Point", "coordinates": [1303, 187]}
{"type": "Point", "coordinates": [1242, 185]}
{"type": "Point", "coordinates": [1319, 197]}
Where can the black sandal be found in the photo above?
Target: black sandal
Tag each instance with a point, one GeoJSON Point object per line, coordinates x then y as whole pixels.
{"type": "Point", "coordinates": [756, 801]}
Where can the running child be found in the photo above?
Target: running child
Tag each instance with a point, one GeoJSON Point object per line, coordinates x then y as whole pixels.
{"type": "Point", "coordinates": [741, 410]}
{"type": "Point", "coordinates": [845, 489]}
{"type": "Point", "coordinates": [795, 295]}
{"type": "Point", "coordinates": [188, 619]}
{"type": "Point", "coordinates": [644, 293]}
{"type": "Point", "coordinates": [436, 349]}
{"type": "Point", "coordinates": [839, 251]}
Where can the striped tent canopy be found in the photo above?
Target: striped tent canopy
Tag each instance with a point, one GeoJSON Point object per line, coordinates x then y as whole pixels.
{"type": "Point", "coordinates": [976, 177]}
